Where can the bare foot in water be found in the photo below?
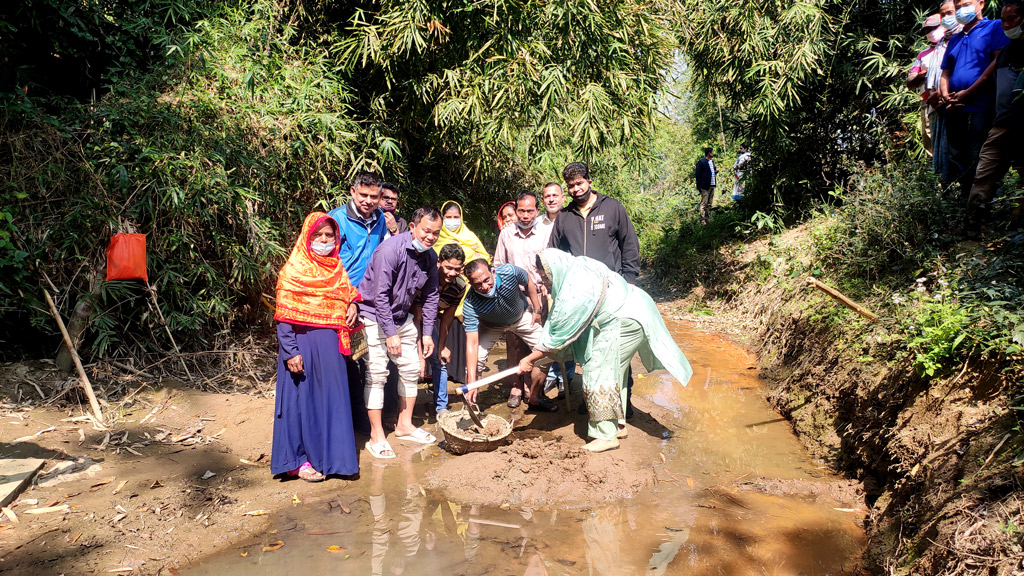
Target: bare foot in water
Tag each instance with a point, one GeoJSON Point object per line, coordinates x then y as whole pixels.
{"type": "Point", "coordinates": [598, 445]}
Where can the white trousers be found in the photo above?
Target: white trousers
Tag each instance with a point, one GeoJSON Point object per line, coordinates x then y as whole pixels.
{"type": "Point", "coordinates": [525, 329]}
{"type": "Point", "coordinates": [377, 357]}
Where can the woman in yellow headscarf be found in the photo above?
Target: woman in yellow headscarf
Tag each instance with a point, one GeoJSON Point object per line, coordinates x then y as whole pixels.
{"type": "Point", "coordinates": [455, 231]}
{"type": "Point", "coordinates": [315, 314]}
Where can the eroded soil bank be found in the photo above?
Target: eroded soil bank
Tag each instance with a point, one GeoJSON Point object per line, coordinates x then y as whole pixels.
{"type": "Point", "coordinates": [709, 481]}
{"type": "Point", "coordinates": [938, 458]}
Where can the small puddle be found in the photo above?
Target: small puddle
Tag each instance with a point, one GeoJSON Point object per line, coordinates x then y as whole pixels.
{"type": "Point", "coordinates": [745, 499]}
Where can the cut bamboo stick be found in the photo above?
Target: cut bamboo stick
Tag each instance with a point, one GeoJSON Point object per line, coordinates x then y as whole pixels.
{"type": "Point", "coordinates": [82, 378]}
{"type": "Point", "coordinates": [152, 294]}
{"type": "Point", "coordinates": [842, 298]}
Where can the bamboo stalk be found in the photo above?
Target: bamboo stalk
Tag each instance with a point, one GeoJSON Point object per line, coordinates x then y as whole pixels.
{"type": "Point", "coordinates": [82, 378]}
{"type": "Point", "coordinates": [842, 298]}
{"type": "Point", "coordinates": [152, 294]}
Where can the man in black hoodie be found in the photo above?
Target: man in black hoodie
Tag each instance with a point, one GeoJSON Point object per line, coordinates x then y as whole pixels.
{"type": "Point", "coordinates": [597, 226]}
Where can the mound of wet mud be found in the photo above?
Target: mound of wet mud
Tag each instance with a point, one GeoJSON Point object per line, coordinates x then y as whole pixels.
{"type": "Point", "coordinates": [537, 471]}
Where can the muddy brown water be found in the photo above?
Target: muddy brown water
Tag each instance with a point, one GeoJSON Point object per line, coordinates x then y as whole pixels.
{"type": "Point", "coordinates": [738, 495]}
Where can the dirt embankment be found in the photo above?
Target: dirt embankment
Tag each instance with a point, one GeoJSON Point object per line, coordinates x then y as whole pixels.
{"type": "Point", "coordinates": [938, 457]}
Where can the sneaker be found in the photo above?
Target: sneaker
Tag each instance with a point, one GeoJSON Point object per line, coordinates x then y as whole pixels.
{"type": "Point", "coordinates": [515, 400]}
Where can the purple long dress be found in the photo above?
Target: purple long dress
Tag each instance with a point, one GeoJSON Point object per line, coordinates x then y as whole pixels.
{"type": "Point", "coordinates": [312, 411]}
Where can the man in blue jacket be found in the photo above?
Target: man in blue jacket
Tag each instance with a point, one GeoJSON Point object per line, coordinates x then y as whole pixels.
{"type": "Point", "coordinates": [706, 182]}
{"type": "Point", "coordinates": [362, 228]}
{"type": "Point", "coordinates": [362, 225]}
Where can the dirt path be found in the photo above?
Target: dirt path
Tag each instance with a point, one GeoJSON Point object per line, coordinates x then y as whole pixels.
{"type": "Point", "coordinates": [184, 474]}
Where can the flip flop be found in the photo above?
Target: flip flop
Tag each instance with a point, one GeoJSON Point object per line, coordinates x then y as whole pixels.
{"type": "Point", "coordinates": [376, 449]}
{"type": "Point", "coordinates": [420, 436]}
{"type": "Point", "coordinates": [309, 474]}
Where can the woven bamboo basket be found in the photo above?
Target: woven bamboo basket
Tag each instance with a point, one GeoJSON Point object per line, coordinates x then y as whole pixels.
{"type": "Point", "coordinates": [459, 439]}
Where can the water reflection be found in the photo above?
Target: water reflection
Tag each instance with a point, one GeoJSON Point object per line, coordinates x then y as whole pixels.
{"type": "Point", "coordinates": [736, 495]}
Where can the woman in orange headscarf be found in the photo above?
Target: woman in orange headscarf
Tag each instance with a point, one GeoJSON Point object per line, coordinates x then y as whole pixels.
{"type": "Point", "coordinates": [315, 314]}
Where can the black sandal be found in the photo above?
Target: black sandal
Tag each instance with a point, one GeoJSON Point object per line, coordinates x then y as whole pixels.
{"type": "Point", "coordinates": [543, 405]}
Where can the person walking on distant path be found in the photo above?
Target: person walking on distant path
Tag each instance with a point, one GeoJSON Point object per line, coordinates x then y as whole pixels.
{"type": "Point", "coordinates": [739, 170]}
{"type": "Point", "coordinates": [706, 182]}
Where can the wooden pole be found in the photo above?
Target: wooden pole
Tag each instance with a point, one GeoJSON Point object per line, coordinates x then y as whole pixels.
{"type": "Point", "coordinates": [83, 379]}
{"type": "Point", "coordinates": [152, 294]}
{"type": "Point", "coordinates": [842, 299]}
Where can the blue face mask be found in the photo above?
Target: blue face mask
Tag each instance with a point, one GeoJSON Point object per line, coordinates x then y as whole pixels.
{"type": "Point", "coordinates": [966, 15]}
{"type": "Point", "coordinates": [419, 246]}
{"type": "Point", "coordinates": [949, 21]}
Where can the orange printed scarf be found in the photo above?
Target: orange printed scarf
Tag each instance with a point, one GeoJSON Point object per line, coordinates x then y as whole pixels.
{"type": "Point", "coordinates": [314, 290]}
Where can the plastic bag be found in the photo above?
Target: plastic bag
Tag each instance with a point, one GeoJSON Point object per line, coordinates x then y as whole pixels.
{"type": "Point", "coordinates": [126, 257]}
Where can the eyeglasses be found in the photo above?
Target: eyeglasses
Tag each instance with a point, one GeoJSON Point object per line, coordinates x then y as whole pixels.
{"type": "Point", "coordinates": [389, 199]}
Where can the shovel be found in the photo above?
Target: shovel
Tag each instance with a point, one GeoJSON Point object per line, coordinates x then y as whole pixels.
{"type": "Point", "coordinates": [471, 407]}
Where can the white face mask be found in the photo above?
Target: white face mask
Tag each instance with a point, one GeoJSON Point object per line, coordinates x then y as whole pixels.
{"type": "Point", "coordinates": [526, 226]}
{"type": "Point", "coordinates": [935, 36]}
{"type": "Point", "coordinates": [419, 246]}
{"type": "Point", "coordinates": [452, 223]}
{"type": "Point", "coordinates": [1014, 33]}
{"type": "Point", "coordinates": [322, 248]}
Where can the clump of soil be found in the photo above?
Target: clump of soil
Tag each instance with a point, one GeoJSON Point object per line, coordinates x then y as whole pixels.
{"type": "Point", "coordinates": [491, 429]}
{"type": "Point", "coordinates": [540, 471]}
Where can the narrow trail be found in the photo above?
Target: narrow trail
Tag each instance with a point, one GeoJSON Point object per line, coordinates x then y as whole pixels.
{"type": "Point", "coordinates": [710, 481]}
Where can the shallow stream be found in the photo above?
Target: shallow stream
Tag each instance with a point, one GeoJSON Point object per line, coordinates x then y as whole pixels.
{"type": "Point", "coordinates": [738, 495]}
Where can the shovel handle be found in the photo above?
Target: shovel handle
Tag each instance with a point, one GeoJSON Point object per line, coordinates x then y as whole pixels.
{"type": "Point", "coordinates": [485, 381]}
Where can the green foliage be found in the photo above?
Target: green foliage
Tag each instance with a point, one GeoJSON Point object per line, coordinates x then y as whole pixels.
{"type": "Point", "coordinates": [216, 156]}
{"type": "Point", "coordinates": [895, 242]}
{"type": "Point", "coordinates": [484, 81]}
{"type": "Point", "coordinates": [890, 217]}
{"type": "Point", "coordinates": [814, 85]}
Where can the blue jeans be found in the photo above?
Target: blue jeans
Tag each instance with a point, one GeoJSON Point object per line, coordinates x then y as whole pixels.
{"type": "Point", "coordinates": [439, 373]}
{"type": "Point", "coordinates": [555, 372]}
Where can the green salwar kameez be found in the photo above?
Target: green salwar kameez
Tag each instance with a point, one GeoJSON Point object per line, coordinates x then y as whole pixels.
{"type": "Point", "coordinates": [605, 321]}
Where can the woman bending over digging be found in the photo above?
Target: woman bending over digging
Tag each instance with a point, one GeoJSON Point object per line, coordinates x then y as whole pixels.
{"type": "Point", "coordinates": [605, 321]}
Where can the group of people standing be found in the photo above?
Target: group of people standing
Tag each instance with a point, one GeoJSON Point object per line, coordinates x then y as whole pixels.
{"type": "Point", "coordinates": [970, 85]}
{"type": "Point", "coordinates": [706, 176]}
{"type": "Point", "coordinates": [365, 293]}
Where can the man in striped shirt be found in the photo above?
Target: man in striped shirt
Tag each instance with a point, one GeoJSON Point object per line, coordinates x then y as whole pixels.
{"type": "Point", "coordinates": [497, 303]}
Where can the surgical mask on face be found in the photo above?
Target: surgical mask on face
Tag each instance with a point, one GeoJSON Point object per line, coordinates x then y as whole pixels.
{"type": "Point", "coordinates": [452, 223]}
{"type": "Point", "coordinates": [935, 36]}
{"type": "Point", "coordinates": [322, 248]}
{"type": "Point", "coordinates": [966, 15]}
{"type": "Point", "coordinates": [490, 293]}
{"type": "Point", "coordinates": [1014, 33]}
{"type": "Point", "coordinates": [526, 226]}
{"type": "Point", "coordinates": [949, 21]}
{"type": "Point", "coordinates": [419, 246]}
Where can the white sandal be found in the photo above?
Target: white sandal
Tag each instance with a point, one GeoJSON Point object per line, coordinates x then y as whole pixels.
{"type": "Point", "coordinates": [376, 449]}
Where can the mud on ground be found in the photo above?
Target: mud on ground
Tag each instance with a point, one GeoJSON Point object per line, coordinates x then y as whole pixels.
{"type": "Point", "coordinates": [939, 458]}
{"type": "Point", "coordinates": [181, 474]}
